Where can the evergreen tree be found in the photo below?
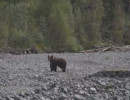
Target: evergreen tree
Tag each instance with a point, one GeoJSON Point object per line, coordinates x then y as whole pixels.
{"type": "Point", "coordinates": [60, 29]}
{"type": "Point", "coordinates": [72, 25]}
{"type": "Point", "coordinates": [118, 22]}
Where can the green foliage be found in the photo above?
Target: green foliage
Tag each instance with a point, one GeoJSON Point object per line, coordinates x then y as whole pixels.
{"type": "Point", "coordinates": [62, 25]}
{"type": "Point", "coordinates": [88, 16]}
{"type": "Point", "coordinates": [60, 29]}
{"type": "Point", "coordinates": [3, 34]}
{"type": "Point", "coordinates": [115, 20]}
{"type": "Point", "coordinates": [18, 39]}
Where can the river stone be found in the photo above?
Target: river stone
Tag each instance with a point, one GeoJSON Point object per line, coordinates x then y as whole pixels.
{"type": "Point", "coordinates": [92, 89]}
{"type": "Point", "coordinates": [78, 97]}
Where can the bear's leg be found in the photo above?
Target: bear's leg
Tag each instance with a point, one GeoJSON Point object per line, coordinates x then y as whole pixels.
{"type": "Point", "coordinates": [52, 69]}
{"type": "Point", "coordinates": [64, 69]}
{"type": "Point", "coordinates": [55, 68]}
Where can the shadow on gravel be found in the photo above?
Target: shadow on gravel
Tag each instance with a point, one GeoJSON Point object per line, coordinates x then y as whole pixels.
{"type": "Point", "coordinates": [112, 74]}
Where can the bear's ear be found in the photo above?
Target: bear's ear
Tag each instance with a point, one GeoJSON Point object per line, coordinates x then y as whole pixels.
{"type": "Point", "coordinates": [52, 57]}
{"type": "Point", "coordinates": [48, 57]}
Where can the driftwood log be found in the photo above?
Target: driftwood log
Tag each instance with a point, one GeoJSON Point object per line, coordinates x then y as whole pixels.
{"type": "Point", "coordinates": [111, 48]}
{"type": "Point", "coordinates": [18, 51]}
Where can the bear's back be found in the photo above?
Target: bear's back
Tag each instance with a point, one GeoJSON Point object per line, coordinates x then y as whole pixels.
{"type": "Point", "coordinates": [59, 61]}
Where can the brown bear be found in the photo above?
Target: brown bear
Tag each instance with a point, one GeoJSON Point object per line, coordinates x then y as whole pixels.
{"type": "Point", "coordinates": [54, 62]}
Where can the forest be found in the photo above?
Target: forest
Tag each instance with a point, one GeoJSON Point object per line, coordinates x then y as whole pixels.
{"type": "Point", "coordinates": [69, 25]}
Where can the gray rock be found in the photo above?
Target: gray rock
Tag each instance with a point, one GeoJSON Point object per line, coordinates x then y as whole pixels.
{"type": "Point", "coordinates": [64, 90]}
{"type": "Point", "coordinates": [103, 83]}
{"type": "Point", "coordinates": [62, 98]}
{"type": "Point", "coordinates": [44, 88]}
{"type": "Point", "coordinates": [42, 98]}
{"type": "Point", "coordinates": [93, 90]}
{"type": "Point", "coordinates": [34, 98]}
{"type": "Point", "coordinates": [127, 92]}
{"type": "Point", "coordinates": [16, 98]}
{"type": "Point", "coordinates": [106, 95]}
{"type": "Point", "coordinates": [8, 98]}
{"type": "Point", "coordinates": [1, 98]}
{"type": "Point", "coordinates": [116, 98]}
{"type": "Point", "coordinates": [22, 94]}
{"type": "Point", "coordinates": [78, 97]}
{"type": "Point", "coordinates": [127, 86]}
{"type": "Point", "coordinates": [82, 92]}
{"type": "Point", "coordinates": [37, 91]}
{"type": "Point", "coordinates": [28, 94]}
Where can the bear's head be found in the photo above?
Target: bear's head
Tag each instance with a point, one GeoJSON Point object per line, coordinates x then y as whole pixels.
{"type": "Point", "coordinates": [50, 58]}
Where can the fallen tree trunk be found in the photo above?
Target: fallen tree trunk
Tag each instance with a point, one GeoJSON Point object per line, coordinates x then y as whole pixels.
{"type": "Point", "coordinates": [111, 48]}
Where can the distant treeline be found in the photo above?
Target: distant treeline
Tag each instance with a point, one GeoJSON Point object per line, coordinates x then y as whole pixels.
{"type": "Point", "coordinates": [64, 25]}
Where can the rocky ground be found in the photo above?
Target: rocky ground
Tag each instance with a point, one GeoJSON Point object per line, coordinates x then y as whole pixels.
{"type": "Point", "coordinates": [28, 77]}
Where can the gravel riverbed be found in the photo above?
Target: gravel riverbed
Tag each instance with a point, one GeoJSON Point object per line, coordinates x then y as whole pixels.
{"type": "Point", "coordinates": [28, 77]}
